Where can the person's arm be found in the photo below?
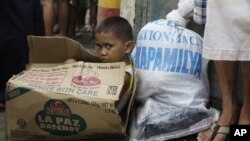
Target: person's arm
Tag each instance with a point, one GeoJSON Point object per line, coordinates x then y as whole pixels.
{"type": "Point", "coordinates": [38, 18]}
{"type": "Point", "coordinates": [125, 93]}
{"type": "Point", "coordinates": [70, 60]}
{"type": "Point", "coordinates": [126, 84]}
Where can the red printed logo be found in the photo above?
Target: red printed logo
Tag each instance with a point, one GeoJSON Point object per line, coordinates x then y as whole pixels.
{"type": "Point", "coordinates": [88, 79]}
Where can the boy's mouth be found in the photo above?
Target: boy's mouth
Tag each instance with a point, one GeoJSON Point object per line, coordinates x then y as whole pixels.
{"type": "Point", "coordinates": [104, 59]}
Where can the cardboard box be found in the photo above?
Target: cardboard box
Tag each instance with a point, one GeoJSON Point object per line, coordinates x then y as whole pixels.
{"type": "Point", "coordinates": [52, 51]}
{"type": "Point", "coordinates": [65, 102]}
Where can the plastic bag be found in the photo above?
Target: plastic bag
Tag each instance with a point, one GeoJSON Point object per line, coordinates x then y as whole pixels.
{"type": "Point", "coordinates": [173, 88]}
{"type": "Point", "coordinates": [155, 121]}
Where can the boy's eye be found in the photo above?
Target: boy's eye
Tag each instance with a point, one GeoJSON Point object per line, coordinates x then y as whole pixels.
{"type": "Point", "coordinates": [108, 46]}
{"type": "Point", "coordinates": [97, 46]}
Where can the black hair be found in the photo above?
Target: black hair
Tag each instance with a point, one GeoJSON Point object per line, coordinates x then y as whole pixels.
{"type": "Point", "coordinates": [117, 25]}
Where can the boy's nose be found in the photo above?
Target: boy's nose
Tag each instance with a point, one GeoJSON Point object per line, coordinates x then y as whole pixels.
{"type": "Point", "coordinates": [103, 51]}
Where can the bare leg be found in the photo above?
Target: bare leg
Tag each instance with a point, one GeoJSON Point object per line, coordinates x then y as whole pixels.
{"type": "Point", "coordinates": [63, 17]}
{"type": "Point", "coordinates": [72, 21]}
{"type": "Point", "coordinates": [245, 112]}
{"type": "Point", "coordinates": [227, 77]}
{"type": "Point", "coordinates": [77, 16]}
{"type": "Point", "coordinates": [93, 16]}
{"type": "Point", "coordinates": [49, 16]}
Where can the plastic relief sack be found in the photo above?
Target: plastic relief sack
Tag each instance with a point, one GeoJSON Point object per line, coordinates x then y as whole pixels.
{"type": "Point", "coordinates": [173, 88]}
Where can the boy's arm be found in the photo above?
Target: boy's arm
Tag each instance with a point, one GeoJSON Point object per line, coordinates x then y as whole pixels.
{"type": "Point", "coordinates": [126, 84]}
{"type": "Point", "coordinates": [70, 60]}
{"type": "Point", "coordinates": [124, 96]}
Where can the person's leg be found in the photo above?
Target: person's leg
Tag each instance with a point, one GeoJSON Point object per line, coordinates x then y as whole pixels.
{"type": "Point", "coordinates": [83, 10]}
{"type": "Point", "coordinates": [72, 19]}
{"type": "Point", "coordinates": [245, 112]}
{"type": "Point", "coordinates": [93, 16]}
{"type": "Point", "coordinates": [226, 72]}
{"type": "Point", "coordinates": [80, 21]}
{"type": "Point", "coordinates": [49, 16]}
{"type": "Point", "coordinates": [93, 12]}
{"type": "Point", "coordinates": [63, 17]}
{"type": "Point", "coordinates": [56, 26]}
{"type": "Point", "coordinates": [87, 26]}
{"type": "Point", "coordinates": [77, 15]}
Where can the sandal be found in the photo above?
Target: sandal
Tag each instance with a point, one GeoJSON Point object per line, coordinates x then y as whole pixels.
{"type": "Point", "coordinates": [219, 129]}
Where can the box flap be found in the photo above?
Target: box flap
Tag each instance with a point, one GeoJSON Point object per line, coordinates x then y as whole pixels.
{"type": "Point", "coordinates": [52, 49]}
{"type": "Point", "coordinates": [79, 78]}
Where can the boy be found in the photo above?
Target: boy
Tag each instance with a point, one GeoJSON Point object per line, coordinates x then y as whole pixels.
{"type": "Point", "coordinates": [114, 43]}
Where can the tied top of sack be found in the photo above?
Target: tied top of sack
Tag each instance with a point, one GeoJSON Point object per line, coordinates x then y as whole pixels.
{"type": "Point", "coordinates": [181, 15]}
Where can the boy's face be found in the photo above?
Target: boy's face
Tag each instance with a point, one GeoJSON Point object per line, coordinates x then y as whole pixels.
{"type": "Point", "coordinates": [111, 49]}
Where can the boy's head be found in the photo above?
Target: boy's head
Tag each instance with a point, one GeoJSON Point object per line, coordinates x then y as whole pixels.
{"type": "Point", "coordinates": [114, 38]}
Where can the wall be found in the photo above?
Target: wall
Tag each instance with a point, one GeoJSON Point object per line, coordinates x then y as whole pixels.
{"type": "Point", "coordinates": [127, 10]}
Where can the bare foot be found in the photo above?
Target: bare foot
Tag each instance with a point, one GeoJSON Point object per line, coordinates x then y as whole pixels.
{"type": "Point", "coordinates": [220, 137]}
{"type": "Point", "coordinates": [244, 117]}
{"type": "Point", "coordinates": [205, 135]}
{"type": "Point", "coordinates": [244, 121]}
{"type": "Point", "coordinates": [213, 134]}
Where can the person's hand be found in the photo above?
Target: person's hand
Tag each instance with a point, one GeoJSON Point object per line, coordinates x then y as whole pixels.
{"type": "Point", "coordinates": [69, 61]}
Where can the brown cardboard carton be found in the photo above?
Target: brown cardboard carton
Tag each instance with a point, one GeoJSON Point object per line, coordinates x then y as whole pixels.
{"type": "Point", "coordinates": [64, 102]}
{"type": "Point", "coordinates": [51, 51]}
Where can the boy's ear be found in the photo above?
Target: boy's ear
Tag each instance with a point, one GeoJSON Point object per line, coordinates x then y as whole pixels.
{"type": "Point", "coordinates": [129, 45]}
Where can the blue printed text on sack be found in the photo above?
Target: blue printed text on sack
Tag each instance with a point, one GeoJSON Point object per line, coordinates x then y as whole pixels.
{"type": "Point", "coordinates": [152, 35]}
{"type": "Point", "coordinates": [168, 60]}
